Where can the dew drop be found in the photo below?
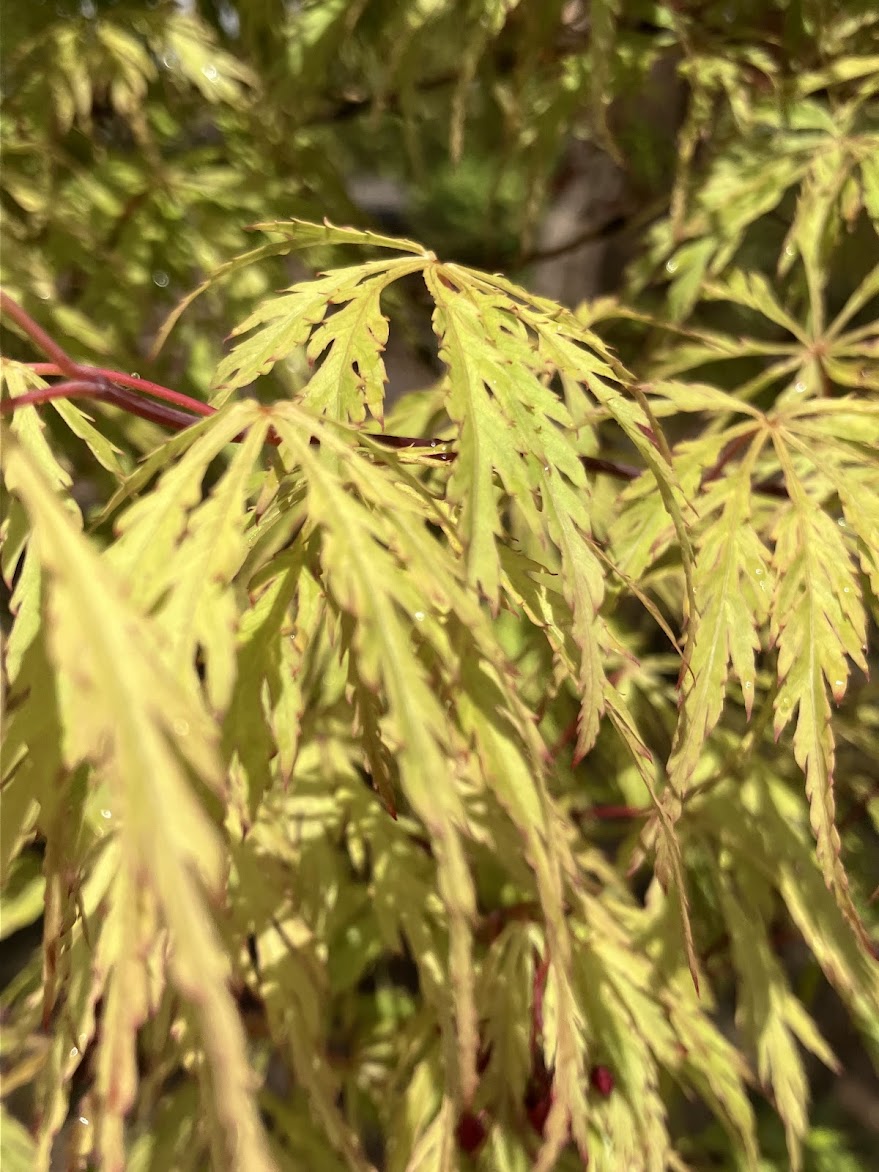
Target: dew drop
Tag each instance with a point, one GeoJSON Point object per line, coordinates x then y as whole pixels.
{"type": "Point", "coordinates": [841, 523]}
{"type": "Point", "coordinates": [74, 1053]}
{"type": "Point", "coordinates": [846, 589]}
{"type": "Point", "coordinates": [181, 727]}
{"type": "Point", "coordinates": [747, 685]}
{"type": "Point", "coordinates": [671, 266]}
{"type": "Point", "coordinates": [161, 279]}
{"type": "Point", "coordinates": [135, 374]}
{"type": "Point", "coordinates": [839, 683]}
{"type": "Point", "coordinates": [800, 387]}
{"type": "Point", "coordinates": [106, 813]}
{"type": "Point", "coordinates": [419, 616]}
{"type": "Point", "coordinates": [83, 1121]}
{"type": "Point", "coordinates": [759, 572]}
{"type": "Point", "coordinates": [789, 250]}
{"type": "Point", "coordinates": [210, 72]}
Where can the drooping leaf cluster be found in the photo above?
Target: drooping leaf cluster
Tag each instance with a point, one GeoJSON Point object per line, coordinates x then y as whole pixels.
{"type": "Point", "coordinates": [316, 742]}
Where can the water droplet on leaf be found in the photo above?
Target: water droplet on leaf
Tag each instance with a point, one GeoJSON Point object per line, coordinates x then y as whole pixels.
{"type": "Point", "coordinates": [161, 279]}
{"type": "Point", "coordinates": [210, 72]}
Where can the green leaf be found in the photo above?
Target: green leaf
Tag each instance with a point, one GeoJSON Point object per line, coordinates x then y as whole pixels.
{"type": "Point", "coordinates": [17, 1149]}
{"type": "Point", "coordinates": [351, 376]}
{"type": "Point", "coordinates": [362, 580]}
{"type": "Point", "coordinates": [753, 291]}
{"type": "Point", "coordinates": [23, 894]}
{"type": "Point", "coordinates": [268, 699]}
{"type": "Point", "coordinates": [219, 77]}
{"type": "Point", "coordinates": [816, 224]}
{"type": "Point", "coordinates": [716, 1069]}
{"type": "Point", "coordinates": [870, 185]}
{"type": "Point", "coordinates": [817, 620]}
{"type": "Point", "coordinates": [297, 234]}
{"type": "Point", "coordinates": [603, 18]}
{"type": "Point", "coordinates": [688, 266]}
{"type": "Point", "coordinates": [201, 613]}
{"type": "Point", "coordinates": [773, 1020]}
{"type": "Point", "coordinates": [151, 530]}
{"type": "Point", "coordinates": [861, 296]}
{"type": "Point", "coordinates": [123, 710]}
{"type": "Point", "coordinates": [733, 590]}
{"type": "Point", "coordinates": [301, 234]}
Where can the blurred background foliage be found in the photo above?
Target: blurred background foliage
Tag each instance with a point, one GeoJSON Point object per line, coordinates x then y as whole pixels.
{"type": "Point", "coordinates": [627, 158]}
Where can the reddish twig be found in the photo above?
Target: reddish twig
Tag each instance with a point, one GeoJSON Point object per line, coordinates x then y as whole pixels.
{"type": "Point", "coordinates": [538, 991]}
{"type": "Point", "coordinates": [90, 381]}
{"type": "Point", "coordinates": [615, 813]}
{"type": "Point", "coordinates": [39, 337]}
{"type": "Point", "coordinates": [731, 450]}
{"type": "Point", "coordinates": [75, 388]}
{"type": "Point", "coordinates": [84, 388]}
{"type": "Point", "coordinates": [144, 386]}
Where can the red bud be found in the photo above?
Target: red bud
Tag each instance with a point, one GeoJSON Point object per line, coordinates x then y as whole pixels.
{"type": "Point", "coordinates": [601, 1080]}
{"type": "Point", "coordinates": [471, 1132]}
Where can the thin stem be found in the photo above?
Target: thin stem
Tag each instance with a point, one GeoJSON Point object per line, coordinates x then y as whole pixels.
{"type": "Point", "coordinates": [87, 388]}
{"type": "Point", "coordinates": [155, 412]}
{"type": "Point", "coordinates": [731, 450]}
{"type": "Point", "coordinates": [611, 468]}
{"type": "Point", "coordinates": [155, 390]}
{"type": "Point", "coordinates": [603, 231]}
{"type": "Point", "coordinates": [615, 813]}
{"type": "Point", "coordinates": [10, 308]}
{"type": "Point", "coordinates": [71, 389]}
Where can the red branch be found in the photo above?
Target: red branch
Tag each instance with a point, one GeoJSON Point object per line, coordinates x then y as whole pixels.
{"type": "Point", "coordinates": [38, 335]}
{"type": "Point", "coordinates": [136, 383]}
